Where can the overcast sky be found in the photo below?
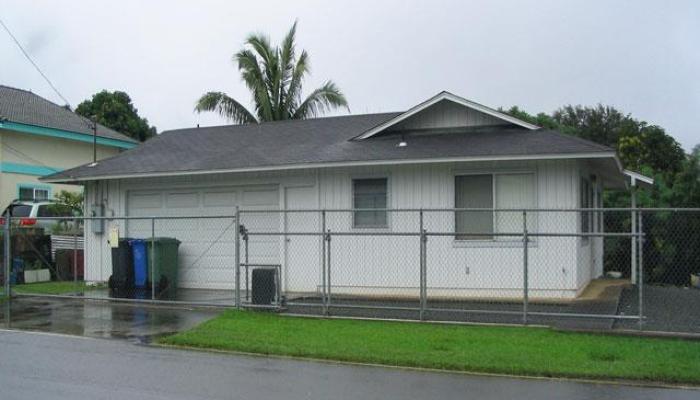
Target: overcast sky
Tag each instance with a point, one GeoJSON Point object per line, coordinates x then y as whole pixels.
{"type": "Point", "coordinates": [642, 57]}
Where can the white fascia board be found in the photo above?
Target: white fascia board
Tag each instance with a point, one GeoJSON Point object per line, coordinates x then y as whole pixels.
{"type": "Point", "coordinates": [637, 177]}
{"type": "Point", "coordinates": [453, 98]}
{"type": "Point", "coordinates": [594, 155]}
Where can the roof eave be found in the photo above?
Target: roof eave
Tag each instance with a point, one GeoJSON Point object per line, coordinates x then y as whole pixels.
{"type": "Point", "coordinates": [58, 178]}
{"type": "Point", "coordinates": [65, 134]}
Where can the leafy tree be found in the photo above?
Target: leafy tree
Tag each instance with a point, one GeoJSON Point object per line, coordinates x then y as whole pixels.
{"type": "Point", "coordinates": [649, 146]}
{"type": "Point", "coordinates": [74, 200]}
{"type": "Point", "coordinates": [641, 147]}
{"type": "Point", "coordinates": [274, 76]}
{"type": "Point", "coordinates": [672, 245]}
{"type": "Point", "coordinates": [601, 124]}
{"type": "Point", "coordinates": [115, 110]}
{"type": "Point", "coordinates": [543, 120]}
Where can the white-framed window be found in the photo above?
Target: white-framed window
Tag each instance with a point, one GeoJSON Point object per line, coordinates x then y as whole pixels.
{"type": "Point", "coordinates": [369, 193]}
{"type": "Point", "coordinates": [491, 191]}
{"type": "Point", "coordinates": [33, 193]}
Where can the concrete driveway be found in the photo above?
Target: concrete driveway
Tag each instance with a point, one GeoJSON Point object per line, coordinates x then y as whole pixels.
{"type": "Point", "coordinates": [100, 319]}
{"type": "Point", "coordinates": [42, 366]}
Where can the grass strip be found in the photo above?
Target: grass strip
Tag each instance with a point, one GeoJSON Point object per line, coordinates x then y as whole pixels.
{"type": "Point", "coordinates": [503, 350]}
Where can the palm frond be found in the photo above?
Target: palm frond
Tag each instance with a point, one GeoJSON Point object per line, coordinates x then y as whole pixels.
{"type": "Point", "coordinates": [255, 80]}
{"type": "Point", "coordinates": [270, 66]}
{"type": "Point", "coordinates": [301, 69]}
{"type": "Point", "coordinates": [325, 98]}
{"type": "Point", "coordinates": [224, 106]}
{"type": "Point", "coordinates": [286, 63]}
{"type": "Point", "coordinates": [275, 76]}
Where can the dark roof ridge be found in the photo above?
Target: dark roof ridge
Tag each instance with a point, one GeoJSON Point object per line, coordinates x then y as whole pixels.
{"type": "Point", "coordinates": [286, 121]}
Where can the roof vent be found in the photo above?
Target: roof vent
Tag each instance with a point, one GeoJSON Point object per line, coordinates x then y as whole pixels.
{"type": "Point", "coordinates": [402, 143]}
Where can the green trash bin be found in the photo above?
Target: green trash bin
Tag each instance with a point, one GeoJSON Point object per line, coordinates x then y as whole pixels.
{"type": "Point", "coordinates": [163, 251]}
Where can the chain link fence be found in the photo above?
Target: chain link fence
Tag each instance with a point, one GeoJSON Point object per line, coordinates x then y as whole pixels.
{"type": "Point", "coordinates": [597, 269]}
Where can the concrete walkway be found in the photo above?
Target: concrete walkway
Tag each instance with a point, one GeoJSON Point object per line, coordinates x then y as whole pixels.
{"type": "Point", "coordinates": [101, 319]}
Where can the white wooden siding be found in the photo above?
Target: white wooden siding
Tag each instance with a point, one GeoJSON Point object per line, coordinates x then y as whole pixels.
{"type": "Point", "coordinates": [372, 264]}
{"type": "Point", "coordinates": [447, 114]}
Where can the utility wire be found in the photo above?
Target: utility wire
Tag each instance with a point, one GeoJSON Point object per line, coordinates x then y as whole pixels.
{"type": "Point", "coordinates": [26, 156]}
{"type": "Point", "coordinates": [87, 121]}
{"type": "Point", "coordinates": [33, 63]}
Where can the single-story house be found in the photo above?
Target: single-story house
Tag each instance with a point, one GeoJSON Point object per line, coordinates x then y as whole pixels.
{"type": "Point", "coordinates": [38, 137]}
{"type": "Point", "coordinates": [444, 153]}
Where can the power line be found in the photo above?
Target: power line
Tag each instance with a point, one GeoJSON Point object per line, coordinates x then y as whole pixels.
{"type": "Point", "coordinates": [25, 156]}
{"type": "Point", "coordinates": [33, 63]}
{"type": "Point", "coordinates": [92, 125]}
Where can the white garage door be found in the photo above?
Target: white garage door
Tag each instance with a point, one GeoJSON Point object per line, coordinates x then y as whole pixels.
{"type": "Point", "coordinates": [207, 249]}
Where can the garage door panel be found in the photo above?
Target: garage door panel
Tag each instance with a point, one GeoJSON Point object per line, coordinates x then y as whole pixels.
{"type": "Point", "coordinates": [258, 222]}
{"type": "Point", "coordinates": [149, 200]}
{"type": "Point", "coordinates": [183, 200]}
{"type": "Point", "coordinates": [260, 198]}
{"type": "Point", "coordinates": [218, 225]}
{"type": "Point", "coordinates": [220, 199]}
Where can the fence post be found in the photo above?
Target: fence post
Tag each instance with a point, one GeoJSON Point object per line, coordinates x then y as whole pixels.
{"type": "Point", "coordinates": [328, 275]}
{"type": "Point", "coordinates": [633, 225]}
{"type": "Point", "coordinates": [422, 280]}
{"type": "Point", "coordinates": [323, 261]}
{"type": "Point", "coordinates": [152, 262]}
{"type": "Point", "coordinates": [75, 256]}
{"type": "Point", "coordinates": [525, 268]}
{"type": "Point", "coordinates": [247, 262]}
{"type": "Point", "coordinates": [640, 274]}
{"type": "Point", "coordinates": [237, 258]}
{"type": "Point", "coordinates": [6, 255]}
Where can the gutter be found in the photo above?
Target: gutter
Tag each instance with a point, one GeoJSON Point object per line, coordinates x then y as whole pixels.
{"type": "Point", "coordinates": [73, 179]}
{"type": "Point", "coordinates": [65, 134]}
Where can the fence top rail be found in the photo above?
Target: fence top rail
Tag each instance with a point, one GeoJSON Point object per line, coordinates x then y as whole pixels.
{"type": "Point", "coordinates": [348, 210]}
{"type": "Point", "coordinates": [429, 233]}
{"type": "Point", "coordinates": [128, 217]}
{"type": "Point", "coordinates": [430, 210]}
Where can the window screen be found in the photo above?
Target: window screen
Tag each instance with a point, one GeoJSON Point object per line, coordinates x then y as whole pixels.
{"type": "Point", "coordinates": [368, 194]}
{"type": "Point", "coordinates": [474, 191]}
{"type": "Point", "coordinates": [31, 193]}
{"type": "Point", "coordinates": [41, 194]}
{"type": "Point", "coordinates": [26, 193]}
{"type": "Point", "coordinates": [515, 191]}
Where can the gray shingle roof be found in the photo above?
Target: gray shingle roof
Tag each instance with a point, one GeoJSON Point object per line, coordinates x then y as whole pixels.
{"type": "Point", "coordinates": [18, 105]}
{"type": "Point", "coordinates": [314, 141]}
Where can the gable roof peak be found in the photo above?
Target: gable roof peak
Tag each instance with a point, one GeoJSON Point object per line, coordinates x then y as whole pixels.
{"type": "Point", "coordinates": [445, 96]}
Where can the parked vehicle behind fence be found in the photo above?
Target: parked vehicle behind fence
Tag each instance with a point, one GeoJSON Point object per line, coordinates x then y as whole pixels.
{"type": "Point", "coordinates": [32, 213]}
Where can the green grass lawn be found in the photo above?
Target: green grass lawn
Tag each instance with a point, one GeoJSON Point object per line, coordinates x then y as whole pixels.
{"type": "Point", "coordinates": [52, 287]}
{"type": "Point", "coordinates": [507, 350]}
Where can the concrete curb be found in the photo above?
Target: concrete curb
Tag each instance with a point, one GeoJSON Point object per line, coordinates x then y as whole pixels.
{"type": "Point", "coordinates": [613, 382]}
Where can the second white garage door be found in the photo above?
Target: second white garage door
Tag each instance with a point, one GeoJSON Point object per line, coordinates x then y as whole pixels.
{"type": "Point", "coordinates": [206, 256]}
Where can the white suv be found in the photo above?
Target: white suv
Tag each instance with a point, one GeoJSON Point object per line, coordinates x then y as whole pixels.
{"type": "Point", "coordinates": [30, 213]}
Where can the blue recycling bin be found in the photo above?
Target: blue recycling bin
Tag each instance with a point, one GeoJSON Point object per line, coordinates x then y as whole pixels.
{"type": "Point", "coordinates": [140, 253]}
{"type": "Point", "coordinates": [17, 272]}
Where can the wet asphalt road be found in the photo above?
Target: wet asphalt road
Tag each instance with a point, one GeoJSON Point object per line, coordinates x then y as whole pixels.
{"type": "Point", "coordinates": [47, 366]}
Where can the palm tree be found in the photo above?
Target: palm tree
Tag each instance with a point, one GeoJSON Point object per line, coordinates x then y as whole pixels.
{"type": "Point", "coordinates": [274, 75]}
